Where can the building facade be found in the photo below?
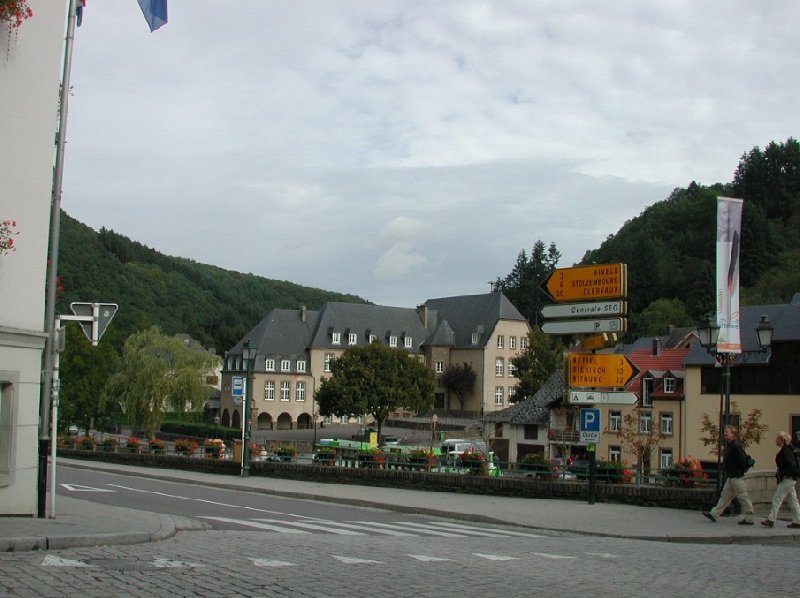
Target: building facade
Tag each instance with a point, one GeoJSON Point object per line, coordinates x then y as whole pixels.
{"type": "Point", "coordinates": [30, 75]}
{"type": "Point", "coordinates": [296, 347]}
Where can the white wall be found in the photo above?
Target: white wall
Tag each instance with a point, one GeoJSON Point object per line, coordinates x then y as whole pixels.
{"type": "Point", "coordinates": [30, 72]}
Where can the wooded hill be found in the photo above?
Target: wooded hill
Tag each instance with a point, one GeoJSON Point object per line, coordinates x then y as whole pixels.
{"type": "Point", "coordinates": [670, 249]}
{"type": "Point", "coordinates": [215, 306]}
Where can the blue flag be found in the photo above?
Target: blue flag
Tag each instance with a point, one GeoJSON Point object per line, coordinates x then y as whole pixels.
{"type": "Point", "coordinates": [155, 12]}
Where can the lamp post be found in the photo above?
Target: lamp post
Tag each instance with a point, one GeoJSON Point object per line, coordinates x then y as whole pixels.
{"type": "Point", "coordinates": [708, 331]}
{"type": "Point", "coordinates": [248, 354]}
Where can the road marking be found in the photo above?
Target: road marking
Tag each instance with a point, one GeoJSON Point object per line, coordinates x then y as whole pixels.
{"type": "Point", "coordinates": [256, 524]}
{"type": "Point", "coordinates": [366, 526]}
{"type": "Point", "coordinates": [213, 502]}
{"type": "Point", "coordinates": [605, 555]}
{"type": "Point", "coordinates": [54, 561]}
{"type": "Point", "coordinates": [553, 556]}
{"type": "Point", "coordinates": [353, 561]}
{"type": "Point", "coordinates": [171, 495]}
{"type": "Point", "coordinates": [129, 488]}
{"type": "Point", "coordinates": [398, 525]}
{"type": "Point", "coordinates": [496, 557]}
{"type": "Point", "coordinates": [271, 563]}
{"type": "Point", "coordinates": [503, 532]}
{"type": "Point", "coordinates": [426, 558]}
{"type": "Point", "coordinates": [481, 531]}
{"type": "Point", "coordinates": [341, 532]}
{"type": "Point", "coordinates": [79, 488]}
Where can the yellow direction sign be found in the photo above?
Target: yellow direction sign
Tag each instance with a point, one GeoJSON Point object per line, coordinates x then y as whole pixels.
{"type": "Point", "coordinates": [599, 370]}
{"type": "Point", "coordinates": [599, 341]}
{"type": "Point", "coordinates": [587, 283]}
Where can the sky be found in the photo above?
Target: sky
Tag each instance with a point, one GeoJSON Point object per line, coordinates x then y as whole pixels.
{"type": "Point", "coordinates": [407, 150]}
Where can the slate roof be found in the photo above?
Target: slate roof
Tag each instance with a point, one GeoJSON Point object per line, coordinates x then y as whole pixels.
{"type": "Point", "coordinates": [282, 334]}
{"type": "Point", "coordinates": [365, 320]}
{"type": "Point", "coordinates": [785, 318]}
{"type": "Point", "coordinates": [535, 410]}
{"type": "Point", "coordinates": [467, 314]}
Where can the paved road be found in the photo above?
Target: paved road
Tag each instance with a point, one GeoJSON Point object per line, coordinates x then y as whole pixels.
{"type": "Point", "coordinates": [268, 563]}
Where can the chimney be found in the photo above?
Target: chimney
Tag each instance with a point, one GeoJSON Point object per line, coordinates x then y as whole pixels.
{"type": "Point", "coordinates": [302, 313]}
{"type": "Point", "coordinates": [656, 346]}
{"type": "Point", "coordinates": [422, 311]}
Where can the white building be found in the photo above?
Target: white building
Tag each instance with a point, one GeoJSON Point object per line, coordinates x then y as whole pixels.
{"type": "Point", "coordinates": [30, 75]}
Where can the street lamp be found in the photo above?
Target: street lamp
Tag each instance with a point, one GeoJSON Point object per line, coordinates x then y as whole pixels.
{"type": "Point", "coordinates": [708, 332]}
{"type": "Point", "coordinates": [248, 354]}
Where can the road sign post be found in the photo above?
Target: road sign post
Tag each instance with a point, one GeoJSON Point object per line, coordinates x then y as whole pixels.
{"type": "Point", "coordinates": [592, 397]}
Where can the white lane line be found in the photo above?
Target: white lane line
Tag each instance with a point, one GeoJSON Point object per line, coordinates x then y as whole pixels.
{"type": "Point", "coordinates": [426, 558]}
{"type": "Point", "coordinates": [430, 532]}
{"type": "Point", "coordinates": [172, 496]}
{"type": "Point", "coordinates": [504, 532]}
{"type": "Point", "coordinates": [496, 557]}
{"type": "Point", "coordinates": [303, 524]}
{"type": "Point", "coordinates": [353, 561]}
{"type": "Point", "coordinates": [271, 563]}
{"type": "Point", "coordinates": [214, 502]}
{"type": "Point", "coordinates": [79, 488]}
{"type": "Point", "coordinates": [365, 525]}
{"type": "Point", "coordinates": [604, 555]}
{"type": "Point", "coordinates": [553, 556]}
{"type": "Point", "coordinates": [256, 524]}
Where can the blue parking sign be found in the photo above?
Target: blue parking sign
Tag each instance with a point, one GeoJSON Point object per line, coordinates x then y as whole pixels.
{"type": "Point", "coordinates": [590, 420]}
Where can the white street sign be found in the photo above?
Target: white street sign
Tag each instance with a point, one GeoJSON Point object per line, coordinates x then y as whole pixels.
{"type": "Point", "coordinates": [585, 326]}
{"type": "Point", "coordinates": [591, 397]}
{"type": "Point", "coordinates": [598, 309]}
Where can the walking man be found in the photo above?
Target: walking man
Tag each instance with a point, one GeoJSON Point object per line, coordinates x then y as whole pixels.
{"type": "Point", "coordinates": [787, 478]}
{"type": "Point", "coordinates": [735, 466]}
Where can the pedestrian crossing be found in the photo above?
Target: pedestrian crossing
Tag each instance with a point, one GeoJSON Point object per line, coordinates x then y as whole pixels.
{"type": "Point", "coordinates": [309, 525]}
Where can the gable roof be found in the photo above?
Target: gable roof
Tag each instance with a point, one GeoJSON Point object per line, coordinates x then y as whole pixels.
{"type": "Point", "coordinates": [467, 314]}
{"type": "Point", "coordinates": [668, 363]}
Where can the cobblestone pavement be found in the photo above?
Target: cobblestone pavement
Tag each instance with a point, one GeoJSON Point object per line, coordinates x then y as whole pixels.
{"type": "Point", "coordinates": [201, 562]}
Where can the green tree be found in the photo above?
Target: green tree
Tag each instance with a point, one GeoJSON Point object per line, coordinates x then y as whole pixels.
{"type": "Point", "coordinates": [158, 374]}
{"type": "Point", "coordinates": [536, 364]}
{"type": "Point", "coordinates": [375, 380]}
{"type": "Point", "coordinates": [459, 379]}
{"type": "Point", "coordinates": [83, 372]}
{"type": "Point", "coordinates": [641, 437]}
{"type": "Point", "coordinates": [657, 317]}
{"type": "Point", "coordinates": [751, 430]}
{"type": "Point", "coordinates": [521, 286]}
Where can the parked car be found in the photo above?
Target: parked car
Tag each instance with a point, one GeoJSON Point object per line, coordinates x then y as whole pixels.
{"type": "Point", "coordinates": [73, 429]}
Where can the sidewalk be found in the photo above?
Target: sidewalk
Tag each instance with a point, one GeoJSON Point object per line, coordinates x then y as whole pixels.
{"type": "Point", "coordinates": [84, 523]}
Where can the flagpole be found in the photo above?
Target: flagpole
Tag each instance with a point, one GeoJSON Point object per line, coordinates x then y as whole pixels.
{"type": "Point", "coordinates": [52, 276]}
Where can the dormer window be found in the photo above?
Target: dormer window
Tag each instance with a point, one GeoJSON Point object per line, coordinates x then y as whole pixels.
{"type": "Point", "coordinates": [647, 391]}
{"type": "Point", "coordinates": [669, 385]}
{"type": "Point", "coordinates": [392, 341]}
{"type": "Point", "coordinates": [336, 338]}
{"type": "Point", "coordinates": [269, 365]}
{"type": "Point", "coordinates": [475, 338]}
{"type": "Point", "coordinates": [372, 338]}
{"type": "Point", "coordinates": [301, 365]}
{"type": "Point", "coordinates": [352, 338]}
{"type": "Point", "coordinates": [286, 365]}
{"type": "Point", "coordinates": [409, 342]}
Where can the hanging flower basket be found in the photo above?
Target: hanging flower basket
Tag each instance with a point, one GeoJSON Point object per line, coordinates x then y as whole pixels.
{"type": "Point", "coordinates": [15, 12]}
{"type": "Point", "coordinates": [7, 234]}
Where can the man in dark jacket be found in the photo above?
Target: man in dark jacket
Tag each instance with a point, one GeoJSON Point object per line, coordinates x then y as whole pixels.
{"type": "Point", "coordinates": [735, 487]}
{"type": "Point", "coordinates": [787, 478]}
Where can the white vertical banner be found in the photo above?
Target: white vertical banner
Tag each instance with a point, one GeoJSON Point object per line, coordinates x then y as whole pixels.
{"type": "Point", "coordinates": [729, 237]}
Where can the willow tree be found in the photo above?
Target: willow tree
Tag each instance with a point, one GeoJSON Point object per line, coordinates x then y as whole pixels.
{"type": "Point", "coordinates": [375, 380]}
{"type": "Point", "coordinates": [158, 373]}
